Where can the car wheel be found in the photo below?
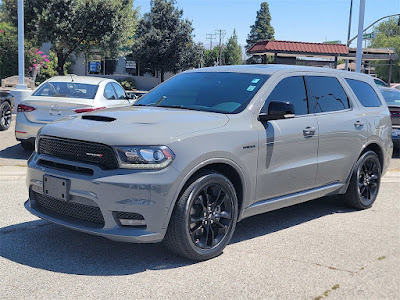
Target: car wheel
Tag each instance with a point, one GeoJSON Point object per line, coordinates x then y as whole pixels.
{"type": "Point", "coordinates": [204, 218]}
{"type": "Point", "coordinates": [5, 116]}
{"type": "Point", "coordinates": [365, 181]}
{"type": "Point", "coordinates": [28, 146]}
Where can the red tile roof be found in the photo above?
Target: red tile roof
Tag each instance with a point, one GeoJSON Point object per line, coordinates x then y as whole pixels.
{"type": "Point", "coordinates": [286, 46]}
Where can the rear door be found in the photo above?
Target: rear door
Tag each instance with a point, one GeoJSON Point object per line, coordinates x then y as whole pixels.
{"type": "Point", "coordinates": [342, 128]}
{"type": "Point", "coordinates": [287, 161]}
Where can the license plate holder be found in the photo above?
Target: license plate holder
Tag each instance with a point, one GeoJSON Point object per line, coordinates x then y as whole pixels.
{"type": "Point", "coordinates": [56, 187]}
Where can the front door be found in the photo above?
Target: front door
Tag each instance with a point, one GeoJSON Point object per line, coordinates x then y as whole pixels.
{"type": "Point", "coordinates": [287, 161]}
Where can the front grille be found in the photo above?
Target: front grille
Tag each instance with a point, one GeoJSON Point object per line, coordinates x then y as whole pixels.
{"type": "Point", "coordinates": [75, 210]}
{"type": "Point", "coordinates": [86, 152]}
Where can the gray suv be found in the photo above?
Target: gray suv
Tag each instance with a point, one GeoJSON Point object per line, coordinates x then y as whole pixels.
{"type": "Point", "coordinates": [211, 147]}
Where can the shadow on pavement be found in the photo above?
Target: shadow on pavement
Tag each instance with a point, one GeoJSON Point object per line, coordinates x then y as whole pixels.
{"type": "Point", "coordinates": [15, 152]}
{"type": "Point", "coordinates": [43, 245]}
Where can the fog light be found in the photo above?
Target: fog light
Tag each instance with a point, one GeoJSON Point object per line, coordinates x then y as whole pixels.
{"type": "Point", "coordinates": [132, 222]}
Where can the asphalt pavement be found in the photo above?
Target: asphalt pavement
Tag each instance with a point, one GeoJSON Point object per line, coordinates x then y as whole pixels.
{"type": "Point", "coordinates": [319, 249]}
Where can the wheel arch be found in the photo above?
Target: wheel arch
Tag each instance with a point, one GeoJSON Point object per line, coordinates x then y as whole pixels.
{"type": "Point", "coordinates": [224, 166]}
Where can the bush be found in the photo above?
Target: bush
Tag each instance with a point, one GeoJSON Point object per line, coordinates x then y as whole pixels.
{"type": "Point", "coordinates": [127, 83]}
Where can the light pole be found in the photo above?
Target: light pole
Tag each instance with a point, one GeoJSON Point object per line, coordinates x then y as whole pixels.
{"type": "Point", "coordinates": [360, 33]}
{"type": "Point", "coordinates": [21, 58]}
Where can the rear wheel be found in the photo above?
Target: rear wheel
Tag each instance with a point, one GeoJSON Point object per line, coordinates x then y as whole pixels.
{"type": "Point", "coordinates": [365, 181]}
{"type": "Point", "coordinates": [204, 218]}
{"type": "Point", "coordinates": [5, 116]}
{"type": "Point", "coordinates": [28, 146]}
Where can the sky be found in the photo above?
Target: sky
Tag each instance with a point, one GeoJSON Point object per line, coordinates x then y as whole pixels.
{"type": "Point", "coordinates": [293, 20]}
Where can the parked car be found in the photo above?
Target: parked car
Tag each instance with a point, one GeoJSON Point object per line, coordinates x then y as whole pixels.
{"type": "Point", "coordinates": [62, 96]}
{"type": "Point", "coordinates": [380, 82]}
{"type": "Point", "coordinates": [135, 95]}
{"type": "Point", "coordinates": [208, 148]}
{"type": "Point", "coordinates": [6, 106]}
{"type": "Point", "coordinates": [395, 85]}
{"type": "Point", "coordinates": [392, 98]}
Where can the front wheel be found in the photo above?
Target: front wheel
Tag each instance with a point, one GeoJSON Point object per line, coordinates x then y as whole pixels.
{"type": "Point", "coordinates": [5, 116]}
{"type": "Point", "coordinates": [204, 218]}
{"type": "Point", "coordinates": [365, 181]}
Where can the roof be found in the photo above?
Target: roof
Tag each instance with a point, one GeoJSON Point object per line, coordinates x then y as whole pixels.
{"type": "Point", "coordinates": [80, 79]}
{"type": "Point", "coordinates": [298, 47]}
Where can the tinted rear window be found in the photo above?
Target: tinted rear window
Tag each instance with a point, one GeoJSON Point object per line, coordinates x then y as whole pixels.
{"type": "Point", "coordinates": [326, 94]}
{"type": "Point", "coordinates": [222, 92]}
{"type": "Point", "coordinates": [364, 92]}
{"type": "Point", "coordinates": [391, 97]}
{"type": "Point", "coordinates": [67, 89]}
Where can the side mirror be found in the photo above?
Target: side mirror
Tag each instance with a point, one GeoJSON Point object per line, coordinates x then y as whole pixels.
{"type": "Point", "coordinates": [278, 110]}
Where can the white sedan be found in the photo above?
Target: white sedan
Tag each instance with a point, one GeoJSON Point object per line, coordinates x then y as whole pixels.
{"type": "Point", "coordinates": [62, 96]}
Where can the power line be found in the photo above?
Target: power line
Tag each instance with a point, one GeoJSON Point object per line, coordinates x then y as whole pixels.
{"type": "Point", "coordinates": [211, 37]}
{"type": "Point", "coordinates": [221, 34]}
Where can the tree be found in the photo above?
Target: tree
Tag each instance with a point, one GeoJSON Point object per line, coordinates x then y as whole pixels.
{"type": "Point", "coordinates": [262, 29]}
{"type": "Point", "coordinates": [211, 57]}
{"type": "Point", "coordinates": [232, 51]}
{"type": "Point", "coordinates": [164, 39]}
{"type": "Point", "coordinates": [74, 25]}
{"type": "Point", "coordinates": [388, 36]}
{"type": "Point", "coordinates": [8, 50]}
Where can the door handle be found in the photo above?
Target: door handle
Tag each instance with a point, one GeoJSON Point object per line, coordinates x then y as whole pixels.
{"type": "Point", "coordinates": [359, 124]}
{"type": "Point", "coordinates": [309, 131]}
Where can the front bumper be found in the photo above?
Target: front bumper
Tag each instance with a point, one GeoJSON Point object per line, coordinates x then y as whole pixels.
{"type": "Point", "coordinates": [148, 193]}
{"type": "Point", "coordinates": [25, 129]}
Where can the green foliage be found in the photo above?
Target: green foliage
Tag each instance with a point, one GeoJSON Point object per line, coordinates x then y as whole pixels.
{"type": "Point", "coordinates": [8, 51]}
{"type": "Point", "coordinates": [49, 70]}
{"type": "Point", "coordinates": [388, 37]}
{"type": "Point", "coordinates": [262, 28]}
{"type": "Point", "coordinates": [127, 83]}
{"type": "Point", "coordinates": [164, 40]}
{"type": "Point", "coordinates": [232, 51]}
{"type": "Point", "coordinates": [211, 57]}
{"type": "Point", "coordinates": [77, 25]}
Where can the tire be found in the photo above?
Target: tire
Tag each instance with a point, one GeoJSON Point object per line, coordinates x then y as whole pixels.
{"type": "Point", "coordinates": [204, 218]}
{"type": "Point", "coordinates": [364, 183]}
{"type": "Point", "coordinates": [5, 116]}
{"type": "Point", "coordinates": [28, 146]}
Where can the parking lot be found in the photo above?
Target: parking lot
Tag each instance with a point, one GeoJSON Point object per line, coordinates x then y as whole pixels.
{"type": "Point", "coordinates": [309, 251]}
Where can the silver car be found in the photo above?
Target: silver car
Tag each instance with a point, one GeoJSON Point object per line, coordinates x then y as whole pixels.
{"type": "Point", "coordinates": [62, 96]}
{"type": "Point", "coordinates": [211, 147]}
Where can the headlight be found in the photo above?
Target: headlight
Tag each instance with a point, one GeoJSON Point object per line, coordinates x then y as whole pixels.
{"type": "Point", "coordinates": [144, 157]}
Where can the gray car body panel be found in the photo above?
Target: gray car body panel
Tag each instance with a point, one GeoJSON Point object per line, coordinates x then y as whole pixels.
{"type": "Point", "coordinates": [276, 164]}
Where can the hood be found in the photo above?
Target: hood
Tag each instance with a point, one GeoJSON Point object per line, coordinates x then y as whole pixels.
{"type": "Point", "coordinates": [135, 125]}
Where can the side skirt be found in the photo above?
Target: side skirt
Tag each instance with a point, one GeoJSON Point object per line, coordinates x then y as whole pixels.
{"type": "Point", "coordinates": [292, 199]}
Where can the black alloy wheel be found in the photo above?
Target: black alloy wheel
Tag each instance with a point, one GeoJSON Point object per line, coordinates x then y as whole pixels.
{"type": "Point", "coordinates": [5, 116]}
{"type": "Point", "coordinates": [368, 175]}
{"type": "Point", "coordinates": [365, 181]}
{"type": "Point", "coordinates": [210, 216]}
{"type": "Point", "coordinates": [204, 218]}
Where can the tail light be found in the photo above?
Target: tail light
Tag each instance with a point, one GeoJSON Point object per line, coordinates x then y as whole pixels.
{"type": "Point", "coordinates": [24, 108]}
{"type": "Point", "coordinates": [83, 110]}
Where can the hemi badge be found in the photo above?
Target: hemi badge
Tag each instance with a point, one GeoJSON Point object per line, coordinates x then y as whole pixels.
{"type": "Point", "coordinates": [94, 154]}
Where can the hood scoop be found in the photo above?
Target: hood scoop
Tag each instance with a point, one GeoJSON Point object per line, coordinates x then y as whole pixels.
{"type": "Point", "coordinates": [98, 118]}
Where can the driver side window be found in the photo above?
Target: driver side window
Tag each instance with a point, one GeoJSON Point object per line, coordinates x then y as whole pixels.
{"type": "Point", "coordinates": [290, 89]}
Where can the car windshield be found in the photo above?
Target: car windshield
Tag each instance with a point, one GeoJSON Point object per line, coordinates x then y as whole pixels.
{"type": "Point", "coordinates": [223, 92]}
{"type": "Point", "coordinates": [391, 97]}
{"type": "Point", "coordinates": [67, 89]}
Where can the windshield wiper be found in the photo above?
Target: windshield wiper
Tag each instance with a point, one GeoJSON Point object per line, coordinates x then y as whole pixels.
{"type": "Point", "coordinates": [179, 106]}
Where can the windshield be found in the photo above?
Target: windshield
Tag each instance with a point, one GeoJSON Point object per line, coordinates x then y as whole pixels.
{"type": "Point", "coordinates": [67, 89]}
{"type": "Point", "coordinates": [391, 97]}
{"type": "Point", "coordinates": [221, 92]}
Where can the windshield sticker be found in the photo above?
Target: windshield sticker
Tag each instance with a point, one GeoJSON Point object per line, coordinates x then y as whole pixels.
{"type": "Point", "coordinates": [255, 80]}
{"type": "Point", "coordinates": [251, 88]}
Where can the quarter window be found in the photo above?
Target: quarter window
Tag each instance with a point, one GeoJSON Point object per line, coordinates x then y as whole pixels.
{"type": "Point", "coordinates": [364, 92]}
{"type": "Point", "coordinates": [109, 92]}
{"type": "Point", "coordinates": [290, 89]}
{"type": "Point", "coordinates": [326, 94]}
{"type": "Point", "coordinates": [119, 91]}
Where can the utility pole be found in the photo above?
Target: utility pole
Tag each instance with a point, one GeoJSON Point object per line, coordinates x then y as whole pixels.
{"type": "Point", "coordinates": [211, 37]}
{"type": "Point", "coordinates": [360, 35]}
{"type": "Point", "coordinates": [21, 58]}
{"type": "Point", "coordinates": [348, 33]}
{"type": "Point", "coordinates": [221, 34]}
